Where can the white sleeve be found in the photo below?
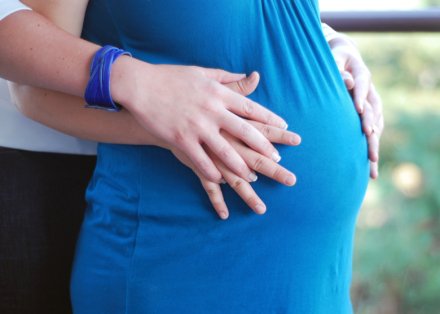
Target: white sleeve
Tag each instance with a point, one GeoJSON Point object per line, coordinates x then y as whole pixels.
{"type": "Point", "coordinates": [8, 7]}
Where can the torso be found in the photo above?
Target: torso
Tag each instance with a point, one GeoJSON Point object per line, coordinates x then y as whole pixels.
{"type": "Point", "coordinates": [297, 257]}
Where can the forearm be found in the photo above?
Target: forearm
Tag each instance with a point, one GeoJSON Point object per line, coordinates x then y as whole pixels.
{"type": "Point", "coordinates": [39, 53]}
{"type": "Point", "coordinates": [67, 114]}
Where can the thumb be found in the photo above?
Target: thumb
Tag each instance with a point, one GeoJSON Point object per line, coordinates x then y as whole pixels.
{"type": "Point", "coordinates": [245, 86]}
{"type": "Point", "coordinates": [223, 76]}
{"type": "Point", "coordinates": [341, 62]}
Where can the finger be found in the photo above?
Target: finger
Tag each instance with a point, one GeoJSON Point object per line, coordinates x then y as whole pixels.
{"type": "Point", "coordinates": [212, 189]}
{"type": "Point", "coordinates": [222, 76]}
{"type": "Point", "coordinates": [216, 197]}
{"type": "Point", "coordinates": [348, 80]}
{"type": "Point", "coordinates": [368, 119]}
{"type": "Point", "coordinates": [243, 189]}
{"type": "Point", "coordinates": [277, 135]}
{"type": "Point", "coordinates": [374, 170]}
{"type": "Point", "coordinates": [362, 80]}
{"type": "Point", "coordinates": [201, 161]}
{"type": "Point", "coordinates": [265, 166]}
{"type": "Point", "coordinates": [244, 131]}
{"type": "Point", "coordinates": [229, 156]}
{"type": "Point", "coordinates": [245, 86]}
{"type": "Point", "coordinates": [246, 108]}
{"type": "Point", "coordinates": [376, 103]}
{"type": "Point", "coordinates": [373, 147]}
{"type": "Point", "coordinates": [341, 60]}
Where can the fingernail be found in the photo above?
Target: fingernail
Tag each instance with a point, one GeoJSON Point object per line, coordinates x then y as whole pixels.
{"type": "Point", "coordinates": [360, 106]}
{"type": "Point", "coordinates": [223, 181]}
{"type": "Point", "coordinates": [252, 76]}
{"type": "Point", "coordinates": [295, 140]}
{"type": "Point", "coordinates": [285, 126]}
{"type": "Point", "coordinates": [252, 177]}
{"type": "Point", "coordinates": [260, 208]}
{"type": "Point", "coordinates": [290, 180]}
{"type": "Point", "coordinates": [276, 157]}
{"type": "Point", "coordinates": [223, 215]}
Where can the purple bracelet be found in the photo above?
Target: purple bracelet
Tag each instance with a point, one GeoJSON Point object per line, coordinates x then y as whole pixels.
{"type": "Point", "coordinates": [97, 94]}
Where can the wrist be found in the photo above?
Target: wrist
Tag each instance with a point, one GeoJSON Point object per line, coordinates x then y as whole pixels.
{"type": "Point", "coordinates": [126, 81]}
{"type": "Point", "coordinates": [98, 90]}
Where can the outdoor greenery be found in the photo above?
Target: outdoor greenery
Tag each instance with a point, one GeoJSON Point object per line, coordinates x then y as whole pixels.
{"type": "Point", "coordinates": [397, 253]}
{"type": "Point", "coordinates": [431, 3]}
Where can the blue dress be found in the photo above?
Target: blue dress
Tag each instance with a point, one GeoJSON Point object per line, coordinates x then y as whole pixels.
{"type": "Point", "coordinates": [151, 241]}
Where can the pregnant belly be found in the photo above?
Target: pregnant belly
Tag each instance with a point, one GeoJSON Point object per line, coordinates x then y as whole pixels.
{"type": "Point", "coordinates": [330, 164]}
{"type": "Point", "coordinates": [301, 247]}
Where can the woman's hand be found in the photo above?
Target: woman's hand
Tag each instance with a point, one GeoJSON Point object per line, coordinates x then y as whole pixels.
{"type": "Point", "coordinates": [188, 107]}
{"type": "Point", "coordinates": [357, 78]}
{"type": "Point", "coordinates": [254, 160]}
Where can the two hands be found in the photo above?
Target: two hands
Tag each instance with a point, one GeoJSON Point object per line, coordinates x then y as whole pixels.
{"type": "Point", "coordinates": [256, 161]}
{"type": "Point", "coordinates": [239, 151]}
{"type": "Point", "coordinates": [368, 104]}
{"type": "Point", "coordinates": [190, 109]}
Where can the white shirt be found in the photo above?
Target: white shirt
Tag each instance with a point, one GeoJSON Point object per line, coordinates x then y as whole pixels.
{"type": "Point", "coordinates": [8, 7]}
{"type": "Point", "coordinates": [17, 131]}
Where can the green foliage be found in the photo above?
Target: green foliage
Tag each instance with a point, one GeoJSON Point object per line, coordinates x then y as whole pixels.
{"type": "Point", "coordinates": [397, 254]}
{"type": "Point", "coordinates": [431, 3]}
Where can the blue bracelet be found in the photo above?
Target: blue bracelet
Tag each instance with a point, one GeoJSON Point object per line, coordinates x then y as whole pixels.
{"type": "Point", "coordinates": [97, 94]}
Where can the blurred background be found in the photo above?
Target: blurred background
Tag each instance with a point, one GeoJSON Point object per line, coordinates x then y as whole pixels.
{"type": "Point", "coordinates": [397, 250]}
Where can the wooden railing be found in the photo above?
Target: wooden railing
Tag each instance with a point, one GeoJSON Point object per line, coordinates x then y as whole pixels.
{"type": "Point", "coordinates": [384, 21]}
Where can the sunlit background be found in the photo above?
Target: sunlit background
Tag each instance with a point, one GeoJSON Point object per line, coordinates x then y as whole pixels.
{"type": "Point", "coordinates": [397, 252]}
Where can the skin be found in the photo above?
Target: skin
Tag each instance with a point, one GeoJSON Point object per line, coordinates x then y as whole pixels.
{"type": "Point", "coordinates": [367, 101]}
{"type": "Point", "coordinates": [66, 113]}
{"type": "Point", "coordinates": [58, 60]}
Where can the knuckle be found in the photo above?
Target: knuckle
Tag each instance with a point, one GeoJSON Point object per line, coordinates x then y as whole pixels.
{"type": "Point", "coordinates": [212, 193]}
{"type": "Point", "coordinates": [258, 164]}
{"type": "Point", "coordinates": [251, 200]}
{"type": "Point", "coordinates": [211, 106]}
{"type": "Point", "coordinates": [203, 165]}
{"type": "Point", "coordinates": [238, 183]}
{"type": "Point", "coordinates": [266, 131]}
{"type": "Point", "coordinates": [178, 137]}
{"type": "Point", "coordinates": [224, 153]}
{"type": "Point", "coordinates": [246, 129]}
{"type": "Point", "coordinates": [213, 88]}
{"type": "Point", "coordinates": [248, 107]}
{"type": "Point", "coordinates": [241, 87]}
{"type": "Point", "coordinates": [269, 119]}
{"type": "Point", "coordinates": [197, 123]}
{"type": "Point", "coordinates": [285, 137]}
{"type": "Point", "coordinates": [277, 173]}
